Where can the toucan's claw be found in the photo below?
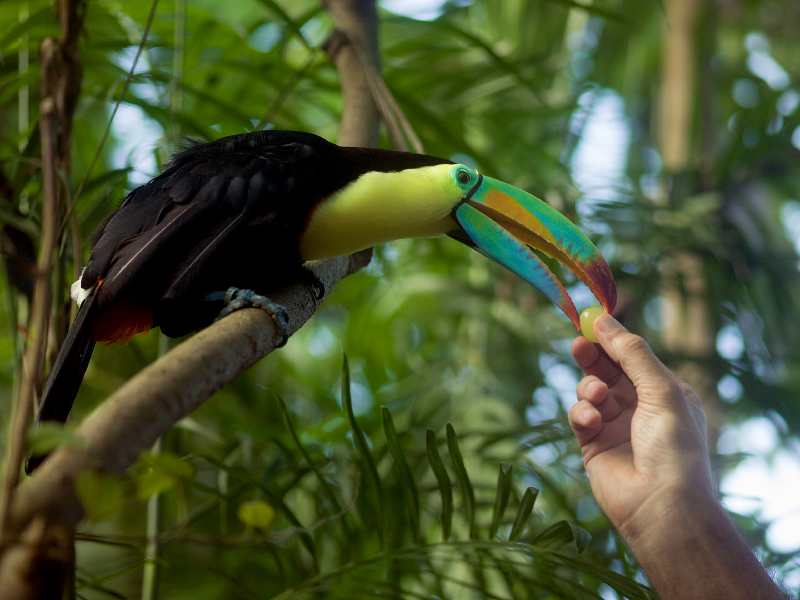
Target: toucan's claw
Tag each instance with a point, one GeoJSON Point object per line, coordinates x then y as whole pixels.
{"type": "Point", "coordinates": [316, 285]}
{"type": "Point", "coordinates": [318, 288]}
{"type": "Point", "coordinates": [237, 299]}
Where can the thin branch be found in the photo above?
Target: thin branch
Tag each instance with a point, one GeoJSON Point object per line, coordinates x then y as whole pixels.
{"type": "Point", "coordinates": [359, 66]}
{"type": "Point", "coordinates": [24, 94]}
{"type": "Point", "coordinates": [358, 21]}
{"type": "Point", "coordinates": [152, 543]}
{"type": "Point", "coordinates": [32, 361]}
{"type": "Point", "coordinates": [61, 82]}
{"type": "Point", "coordinates": [390, 109]}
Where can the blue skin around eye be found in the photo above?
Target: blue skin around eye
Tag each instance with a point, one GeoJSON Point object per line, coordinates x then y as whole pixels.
{"type": "Point", "coordinates": [473, 177]}
{"type": "Point", "coordinates": [499, 245]}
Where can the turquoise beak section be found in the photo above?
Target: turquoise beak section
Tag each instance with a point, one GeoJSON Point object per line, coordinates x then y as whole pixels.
{"type": "Point", "coordinates": [502, 247]}
{"type": "Point", "coordinates": [507, 224]}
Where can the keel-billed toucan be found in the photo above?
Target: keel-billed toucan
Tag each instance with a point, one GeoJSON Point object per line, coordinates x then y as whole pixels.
{"type": "Point", "coordinates": [246, 211]}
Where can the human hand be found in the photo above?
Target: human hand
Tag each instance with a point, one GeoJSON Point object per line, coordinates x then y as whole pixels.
{"type": "Point", "coordinates": [642, 432]}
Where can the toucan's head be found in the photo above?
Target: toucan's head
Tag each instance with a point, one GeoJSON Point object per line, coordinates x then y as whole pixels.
{"type": "Point", "coordinates": [499, 220]}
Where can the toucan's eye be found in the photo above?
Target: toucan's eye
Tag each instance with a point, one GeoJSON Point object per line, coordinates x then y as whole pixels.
{"type": "Point", "coordinates": [464, 176]}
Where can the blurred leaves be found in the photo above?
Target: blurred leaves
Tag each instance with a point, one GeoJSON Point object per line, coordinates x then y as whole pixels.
{"type": "Point", "coordinates": [102, 495]}
{"type": "Point", "coordinates": [46, 437]}
{"type": "Point", "coordinates": [523, 513]}
{"type": "Point", "coordinates": [256, 514]}
{"type": "Point", "coordinates": [156, 473]}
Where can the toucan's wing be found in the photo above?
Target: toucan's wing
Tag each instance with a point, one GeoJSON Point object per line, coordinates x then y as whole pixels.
{"type": "Point", "coordinates": [166, 230]}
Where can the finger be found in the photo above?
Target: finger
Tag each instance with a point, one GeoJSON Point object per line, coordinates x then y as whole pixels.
{"type": "Point", "coordinates": [594, 361]}
{"type": "Point", "coordinates": [614, 434]}
{"type": "Point", "coordinates": [633, 355]}
{"type": "Point", "coordinates": [591, 358]}
{"type": "Point", "coordinates": [597, 393]}
{"type": "Point", "coordinates": [592, 389]}
{"type": "Point", "coordinates": [585, 421]}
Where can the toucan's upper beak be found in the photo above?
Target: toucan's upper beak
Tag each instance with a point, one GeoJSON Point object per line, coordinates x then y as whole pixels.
{"type": "Point", "coordinates": [505, 223]}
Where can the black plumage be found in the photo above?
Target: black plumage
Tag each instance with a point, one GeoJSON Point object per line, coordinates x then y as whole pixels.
{"type": "Point", "coordinates": [229, 213]}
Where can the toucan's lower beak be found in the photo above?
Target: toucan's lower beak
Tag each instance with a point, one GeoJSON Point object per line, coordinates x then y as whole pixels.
{"type": "Point", "coordinates": [505, 223]}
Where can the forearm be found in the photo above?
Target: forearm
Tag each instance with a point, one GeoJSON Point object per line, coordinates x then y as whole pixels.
{"type": "Point", "coordinates": [691, 549]}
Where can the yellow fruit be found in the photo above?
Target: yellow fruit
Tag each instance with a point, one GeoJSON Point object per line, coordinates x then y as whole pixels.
{"type": "Point", "coordinates": [588, 317]}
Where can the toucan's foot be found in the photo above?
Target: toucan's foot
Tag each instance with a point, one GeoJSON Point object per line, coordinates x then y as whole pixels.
{"type": "Point", "coordinates": [237, 299]}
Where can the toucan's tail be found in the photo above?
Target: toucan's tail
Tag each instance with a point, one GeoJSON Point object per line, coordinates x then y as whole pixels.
{"type": "Point", "coordinates": [67, 373]}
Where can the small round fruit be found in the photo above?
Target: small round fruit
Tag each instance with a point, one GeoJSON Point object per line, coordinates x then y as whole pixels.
{"type": "Point", "coordinates": [588, 317]}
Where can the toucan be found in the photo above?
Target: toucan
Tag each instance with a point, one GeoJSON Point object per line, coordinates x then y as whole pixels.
{"type": "Point", "coordinates": [244, 212]}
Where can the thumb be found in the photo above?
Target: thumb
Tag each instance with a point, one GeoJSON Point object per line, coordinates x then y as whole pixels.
{"type": "Point", "coordinates": [633, 354]}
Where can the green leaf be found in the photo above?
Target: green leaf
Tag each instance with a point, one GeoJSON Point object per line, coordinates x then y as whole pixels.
{"type": "Point", "coordinates": [463, 479]}
{"type": "Point", "coordinates": [326, 487]}
{"type": "Point", "coordinates": [443, 480]}
{"type": "Point", "coordinates": [169, 463]}
{"type": "Point", "coordinates": [501, 497]}
{"type": "Point", "coordinates": [558, 534]}
{"type": "Point", "coordinates": [149, 483]}
{"type": "Point", "coordinates": [362, 446]}
{"type": "Point", "coordinates": [305, 534]}
{"type": "Point", "coordinates": [523, 513]}
{"type": "Point", "coordinates": [102, 495]}
{"type": "Point", "coordinates": [562, 533]}
{"type": "Point", "coordinates": [156, 473]}
{"type": "Point", "coordinates": [42, 20]}
{"type": "Point", "coordinates": [256, 514]}
{"type": "Point", "coordinates": [499, 61]}
{"type": "Point", "coordinates": [47, 436]}
{"type": "Point", "coordinates": [412, 495]}
{"type": "Point", "coordinates": [276, 9]}
{"type": "Point", "coordinates": [594, 10]}
{"type": "Point", "coordinates": [581, 536]}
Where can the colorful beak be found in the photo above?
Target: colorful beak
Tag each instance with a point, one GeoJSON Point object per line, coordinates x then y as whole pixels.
{"type": "Point", "coordinates": [506, 223]}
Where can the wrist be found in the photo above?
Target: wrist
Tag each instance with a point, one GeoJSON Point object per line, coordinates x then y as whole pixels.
{"type": "Point", "coordinates": [690, 549]}
{"type": "Point", "coordinates": [670, 514]}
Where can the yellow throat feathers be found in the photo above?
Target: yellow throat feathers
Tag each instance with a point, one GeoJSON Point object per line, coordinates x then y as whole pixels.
{"type": "Point", "coordinates": [379, 207]}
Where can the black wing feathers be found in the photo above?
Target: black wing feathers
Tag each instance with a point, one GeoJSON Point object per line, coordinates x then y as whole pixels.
{"type": "Point", "coordinates": [180, 219]}
{"type": "Point", "coordinates": [66, 376]}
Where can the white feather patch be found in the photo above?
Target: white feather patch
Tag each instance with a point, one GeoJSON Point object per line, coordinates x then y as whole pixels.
{"type": "Point", "coordinates": [77, 292]}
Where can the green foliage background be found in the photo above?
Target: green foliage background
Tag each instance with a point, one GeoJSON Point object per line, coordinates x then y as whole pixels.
{"type": "Point", "coordinates": [268, 490]}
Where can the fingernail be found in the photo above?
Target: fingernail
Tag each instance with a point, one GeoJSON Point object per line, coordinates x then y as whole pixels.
{"type": "Point", "coordinates": [607, 325]}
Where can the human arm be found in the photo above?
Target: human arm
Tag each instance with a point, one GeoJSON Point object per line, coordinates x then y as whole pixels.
{"type": "Point", "coordinates": [642, 432]}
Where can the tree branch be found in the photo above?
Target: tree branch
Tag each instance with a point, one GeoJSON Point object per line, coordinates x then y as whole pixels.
{"type": "Point", "coordinates": [160, 395]}
{"type": "Point", "coordinates": [357, 20]}
{"type": "Point", "coordinates": [150, 403]}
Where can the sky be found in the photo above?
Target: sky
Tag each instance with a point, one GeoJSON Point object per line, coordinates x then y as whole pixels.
{"type": "Point", "coordinates": [758, 485]}
{"type": "Point", "coordinates": [418, 9]}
